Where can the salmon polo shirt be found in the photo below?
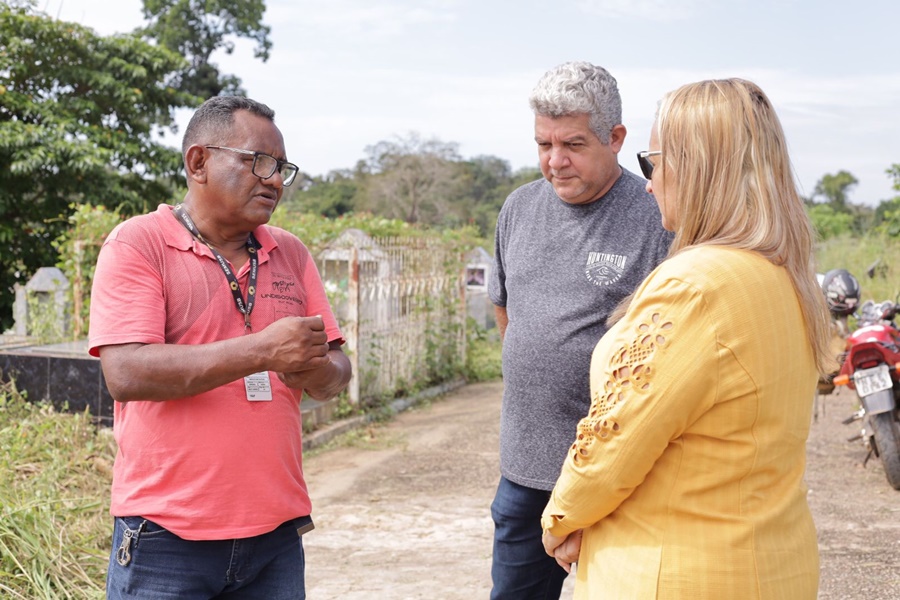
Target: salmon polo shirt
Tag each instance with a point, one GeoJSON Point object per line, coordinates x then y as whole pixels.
{"type": "Point", "coordinates": [215, 465]}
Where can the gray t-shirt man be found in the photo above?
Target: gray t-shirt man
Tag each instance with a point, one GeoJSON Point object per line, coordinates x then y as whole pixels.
{"type": "Point", "coordinates": [560, 269]}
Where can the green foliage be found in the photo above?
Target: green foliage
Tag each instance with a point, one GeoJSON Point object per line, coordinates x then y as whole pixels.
{"type": "Point", "coordinates": [78, 248]}
{"type": "Point", "coordinates": [443, 360]}
{"type": "Point", "coordinates": [197, 28]}
{"type": "Point", "coordinates": [894, 173]}
{"type": "Point", "coordinates": [417, 181]}
{"type": "Point", "coordinates": [836, 216]}
{"type": "Point", "coordinates": [484, 353]}
{"type": "Point", "coordinates": [875, 253]}
{"type": "Point", "coordinates": [887, 217]}
{"type": "Point", "coordinates": [330, 196]}
{"type": "Point", "coordinates": [342, 407]}
{"type": "Point", "coordinates": [55, 475]}
{"type": "Point", "coordinates": [834, 188]}
{"type": "Point", "coordinates": [828, 222]}
{"type": "Point", "coordinates": [317, 231]}
{"type": "Point", "coordinates": [78, 114]}
{"type": "Point", "coordinates": [487, 182]}
{"type": "Point", "coordinates": [44, 323]}
{"type": "Point", "coordinates": [412, 179]}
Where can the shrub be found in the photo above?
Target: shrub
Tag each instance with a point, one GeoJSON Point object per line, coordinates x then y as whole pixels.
{"type": "Point", "coordinates": [483, 353]}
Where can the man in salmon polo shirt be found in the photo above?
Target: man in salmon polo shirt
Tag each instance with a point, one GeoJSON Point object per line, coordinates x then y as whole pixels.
{"type": "Point", "coordinates": [210, 326]}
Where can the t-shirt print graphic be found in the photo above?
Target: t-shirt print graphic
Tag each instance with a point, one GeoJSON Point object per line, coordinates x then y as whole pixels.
{"type": "Point", "coordinates": [603, 268]}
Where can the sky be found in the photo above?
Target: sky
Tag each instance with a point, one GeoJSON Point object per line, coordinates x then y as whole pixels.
{"type": "Point", "coordinates": [347, 74]}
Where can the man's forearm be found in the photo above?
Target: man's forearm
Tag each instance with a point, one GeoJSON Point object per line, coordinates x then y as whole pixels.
{"type": "Point", "coordinates": [502, 318]}
{"type": "Point", "coordinates": [325, 382]}
{"type": "Point", "coordinates": [167, 371]}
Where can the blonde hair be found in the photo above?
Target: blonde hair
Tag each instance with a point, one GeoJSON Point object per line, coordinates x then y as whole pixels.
{"type": "Point", "coordinates": [732, 181]}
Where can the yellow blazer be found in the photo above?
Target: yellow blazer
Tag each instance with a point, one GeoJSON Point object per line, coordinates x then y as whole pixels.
{"type": "Point", "coordinates": [687, 474]}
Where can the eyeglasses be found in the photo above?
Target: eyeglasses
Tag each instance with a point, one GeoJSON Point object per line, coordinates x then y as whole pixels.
{"type": "Point", "coordinates": [646, 165]}
{"type": "Point", "coordinates": [264, 166]}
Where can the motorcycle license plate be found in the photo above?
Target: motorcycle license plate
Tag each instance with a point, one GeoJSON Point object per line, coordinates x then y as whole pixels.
{"type": "Point", "coordinates": [869, 381]}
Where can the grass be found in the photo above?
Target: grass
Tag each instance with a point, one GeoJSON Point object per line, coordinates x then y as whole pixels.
{"type": "Point", "coordinates": [879, 253]}
{"type": "Point", "coordinates": [55, 475]}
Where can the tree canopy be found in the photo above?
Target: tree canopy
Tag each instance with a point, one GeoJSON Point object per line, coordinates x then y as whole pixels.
{"type": "Point", "coordinates": [195, 29]}
{"type": "Point", "coordinates": [80, 116]}
{"type": "Point", "coordinates": [834, 188]}
{"type": "Point", "coordinates": [421, 181]}
{"type": "Point", "coordinates": [412, 176]}
{"type": "Point", "coordinates": [894, 173]}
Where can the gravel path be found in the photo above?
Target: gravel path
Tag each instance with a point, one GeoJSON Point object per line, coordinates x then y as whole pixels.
{"type": "Point", "coordinates": [404, 512]}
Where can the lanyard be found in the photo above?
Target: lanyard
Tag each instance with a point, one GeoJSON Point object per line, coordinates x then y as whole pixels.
{"type": "Point", "coordinates": [252, 246]}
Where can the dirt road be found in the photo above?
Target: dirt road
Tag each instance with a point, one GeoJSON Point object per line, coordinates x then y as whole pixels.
{"type": "Point", "coordinates": [404, 513]}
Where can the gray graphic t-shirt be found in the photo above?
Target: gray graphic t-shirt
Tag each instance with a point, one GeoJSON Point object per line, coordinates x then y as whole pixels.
{"type": "Point", "coordinates": [560, 269]}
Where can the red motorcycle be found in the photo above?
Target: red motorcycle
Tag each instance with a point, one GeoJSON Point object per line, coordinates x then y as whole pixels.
{"type": "Point", "coordinates": [871, 369]}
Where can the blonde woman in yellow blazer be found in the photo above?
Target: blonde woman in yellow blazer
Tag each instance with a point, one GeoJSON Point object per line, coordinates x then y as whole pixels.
{"type": "Point", "coordinates": [685, 480]}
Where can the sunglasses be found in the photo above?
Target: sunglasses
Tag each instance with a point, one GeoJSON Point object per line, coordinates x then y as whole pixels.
{"type": "Point", "coordinates": [646, 165]}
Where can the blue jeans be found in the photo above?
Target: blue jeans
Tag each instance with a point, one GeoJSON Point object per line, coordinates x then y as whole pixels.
{"type": "Point", "coordinates": [521, 570]}
{"type": "Point", "coordinates": [148, 561]}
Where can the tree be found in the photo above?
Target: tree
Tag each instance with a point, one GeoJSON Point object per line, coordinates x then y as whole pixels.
{"type": "Point", "coordinates": [195, 29]}
{"type": "Point", "coordinates": [835, 188]}
{"type": "Point", "coordinates": [413, 179]}
{"type": "Point", "coordinates": [78, 114]}
{"type": "Point", "coordinates": [487, 181]}
{"type": "Point", "coordinates": [887, 215]}
{"type": "Point", "coordinates": [828, 222]}
{"type": "Point", "coordinates": [330, 196]}
{"type": "Point", "coordinates": [894, 173]}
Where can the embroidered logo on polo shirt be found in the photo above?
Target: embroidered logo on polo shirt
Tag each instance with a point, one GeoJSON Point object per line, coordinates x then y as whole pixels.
{"type": "Point", "coordinates": [282, 286]}
{"type": "Point", "coordinates": [603, 268]}
{"type": "Point", "coordinates": [283, 290]}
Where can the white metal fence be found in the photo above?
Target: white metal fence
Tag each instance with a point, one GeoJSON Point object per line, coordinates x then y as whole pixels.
{"type": "Point", "coordinates": [401, 304]}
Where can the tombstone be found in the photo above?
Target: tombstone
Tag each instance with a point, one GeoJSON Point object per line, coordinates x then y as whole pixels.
{"type": "Point", "coordinates": [478, 304]}
{"type": "Point", "coordinates": [47, 290]}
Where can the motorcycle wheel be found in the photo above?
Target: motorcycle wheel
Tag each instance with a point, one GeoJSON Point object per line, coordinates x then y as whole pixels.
{"type": "Point", "coordinates": [887, 439]}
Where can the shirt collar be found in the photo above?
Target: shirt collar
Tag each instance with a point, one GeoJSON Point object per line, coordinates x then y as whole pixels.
{"type": "Point", "coordinates": [178, 237]}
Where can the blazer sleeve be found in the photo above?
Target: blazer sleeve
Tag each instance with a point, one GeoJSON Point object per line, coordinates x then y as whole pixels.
{"type": "Point", "coordinates": [655, 375]}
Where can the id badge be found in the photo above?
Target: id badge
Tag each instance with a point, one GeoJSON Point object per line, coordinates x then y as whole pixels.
{"type": "Point", "coordinates": [259, 387]}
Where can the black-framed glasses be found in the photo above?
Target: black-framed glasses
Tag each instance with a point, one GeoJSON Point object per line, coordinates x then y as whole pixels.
{"type": "Point", "coordinates": [264, 166]}
{"type": "Point", "coordinates": [646, 165]}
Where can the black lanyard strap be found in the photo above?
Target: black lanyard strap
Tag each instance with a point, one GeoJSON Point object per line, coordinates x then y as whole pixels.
{"type": "Point", "coordinates": [252, 246]}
